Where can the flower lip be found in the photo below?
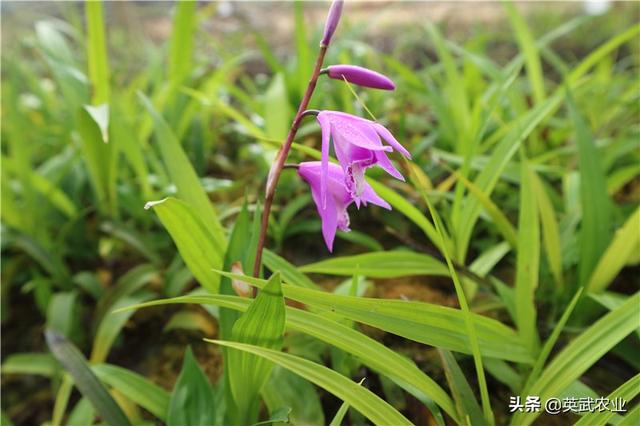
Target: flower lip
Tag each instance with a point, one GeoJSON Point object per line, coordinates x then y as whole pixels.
{"type": "Point", "coordinates": [358, 146]}
{"type": "Point", "coordinates": [333, 212]}
{"type": "Point", "coordinates": [361, 76]}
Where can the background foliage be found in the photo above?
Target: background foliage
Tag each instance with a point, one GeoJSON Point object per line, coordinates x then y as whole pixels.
{"type": "Point", "coordinates": [507, 267]}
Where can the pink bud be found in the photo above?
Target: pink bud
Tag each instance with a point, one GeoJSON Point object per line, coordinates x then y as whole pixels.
{"type": "Point", "coordinates": [332, 22]}
{"type": "Point", "coordinates": [361, 76]}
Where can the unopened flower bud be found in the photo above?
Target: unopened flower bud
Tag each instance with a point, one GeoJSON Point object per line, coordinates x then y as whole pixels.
{"type": "Point", "coordinates": [332, 22]}
{"type": "Point", "coordinates": [361, 76]}
{"type": "Point", "coordinates": [241, 288]}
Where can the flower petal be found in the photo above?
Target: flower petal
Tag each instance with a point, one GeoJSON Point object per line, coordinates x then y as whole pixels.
{"type": "Point", "coordinates": [370, 196]}
{"type": "Point", "coordinates": [350, 130]}
{"type": "Point", "coordinates": [387, 166]}
{"type": "Point", "coordinates": [325, 126]}
{"type": "Point", "coordinates": [391, 140]}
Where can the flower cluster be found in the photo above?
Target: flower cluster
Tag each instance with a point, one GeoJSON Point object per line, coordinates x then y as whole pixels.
{"type": "Point", "coordinates": [358, 145]}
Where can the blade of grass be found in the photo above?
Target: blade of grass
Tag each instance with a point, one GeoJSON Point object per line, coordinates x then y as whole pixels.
{"type": "Point", "coordinates": [75, 363]}
{"type": "Point", "coordinates": [181, 43]}
{"type": "Point", "coordinates": [390, 264]}
{"type": "Point", "coordinates": [134, 387]}
{"type": "Point", "coordinates": [183, 175]}
{"type": "Point", "coordinates": [550, 343]}
{"type": "Point", "coordinates": [192, 397]}
{"type": "Point", "coordinates": [468, 321]}
{"type": "Point", "coordinates": [427, 323]}
{"type": "Point", "coordinates": [361, 399]}
{"type": "Point", "coordinates": [262, 324]}
{"type": "Point", "coordinates": [596, 210]}
{"type": "Point", "coordinates": [528, 260]}
{"type": "Point", "coordinates": [466, 402]}
{"type": "Point", "coordinates": [625, 241]}
{"type": "Point", "coordinates": [529, 49]}
{"type": "Point", "coordinates": [582, 353]}
{"type": "Point", "coordinates": [196, 244]}
{"type": "Point", "coordinates": [371, 352]}
{"type": "Point", "coordinates": [97, 52]}
{"type": "Point", "coordinates": [290, 273]}
{"type": "Point", "coordinates": [550, 230]}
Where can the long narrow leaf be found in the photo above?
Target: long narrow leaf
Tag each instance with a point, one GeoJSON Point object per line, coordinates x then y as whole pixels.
{"type": "Point", "coordinates": [528, 261]}
{"type": "Point", "coordinates": [183, 175]}
{"type": "Point", "coordinates": [371, 352]}
{"type": "Point", "coordinates": [134, 387]}
{"type": "Point", "coordinates": [75, 363]}
{"type": "Point", "coordinates": [196, 244]}
{"type": "Point", "coordinates": [423, 322]}
{"type": "Point", "coordinates": [625, 241]}
{"type": "Point", "coordinates": [390, 264]}
{"type": "Point", "coordinates": [361, 399]}
{"type": "Point", "coordinates": [627, 391]}
{"type": "Point", "coordinates": [582, 353]}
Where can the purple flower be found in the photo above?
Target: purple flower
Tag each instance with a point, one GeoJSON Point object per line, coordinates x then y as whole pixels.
{"type": "Point", "coordinates": [361, 76]}
{"type": "Point", "coordinates": [333, 211]}
{"type": "Point", "coordinates": [357, 144]}
{"type": "Point", "coordinates": [332, 22]}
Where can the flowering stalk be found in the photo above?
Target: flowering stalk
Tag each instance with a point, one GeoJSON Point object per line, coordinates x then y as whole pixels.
{"type": "Point", "coordinates": [276, 168]}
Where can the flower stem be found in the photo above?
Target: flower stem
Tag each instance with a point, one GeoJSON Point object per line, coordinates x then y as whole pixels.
{"type": "Point", "coordinates": [276, 168]}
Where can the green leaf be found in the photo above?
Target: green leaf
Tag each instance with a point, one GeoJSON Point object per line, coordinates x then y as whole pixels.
{"type": "Point", "coordinates": [82, 413]}
{"type": "Point", "coordinates": [367, 403]}
{"type": "Point", "coordinates": [285, 389]}
{"type": "Point", "coordinates": [627, 391]}
{"type": "Point", "coordinates": [529, 49]}
{"type": "Point", "coordinates": [339, 417]}
{"type": "Point", "coordinates": [100, 159]}
{"type": "Point", "coordinates": [615, 257]}
{"type": "Point", "coordinates": [88, 384]}
{"type": "Point", "coordinates": [262, 324]}
{"type": "Point", "coordinates": [486, 180]}
{"type": "Point", "coordinates": [191, 320]}
{"type": "Point", "coordinates": [550, 230]}
{"type": "Point", "coordinates": [528, 261]}
{"type": "Point", "coordinates": [47, 188]}
{"type": "Point", "coordinates": [500, 220]}
{"type": "Point", "coordinates": [240, 249]}
{"type": "Point", "coordinates": [62, 313]}
{"type": "Point", "coordinates": [594, 199]}
{"type": "Point", "coordinates": [371, 352]}
{"type": "Point", "coordinates": [4, 419]}
{"type": "Point", "coordinates": [602, 51]}
{"type": "Point", "coordinates": [97, 52]}
{"type": "Point", "coordinates": [197, 246]}
{"type": "Point", "coordinates": [401, 204]}
{"type": "Point", "coordinates": [184, 176]}
{"type": "Point", "coordinates": [181, 43]}
{"type": "Point", "coordinates": [277, 111]}
{"type": "Point", "coordinates": [192, 400]}
{"type": "Point", "coordinates": [290, 273]}
{"type": "Point", "coordinates": [390, 264]}
{"type": "Point", "coordinates": [470, 327]}
{"type": "Point", "coordinates": [100, 115]}
{"type": "Point", "coordinates": [30, 363]}
{"type": "Point", "coordinates": [281, 415]}
{"type": "Point", "coordinates": [466, 403]}
{"type": "Point", "coordinates": [110, 328]}
{"type": "Point", "coordinates": [550, 342]}
{"type": "Point", "coordinates": [427, 323]}
{"type": "Point", "coordinates": [579, 355]}
{"type": "Point", "coordinates": [134, 387]}
{"type": "Point", "coordinates": [632, 418]}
